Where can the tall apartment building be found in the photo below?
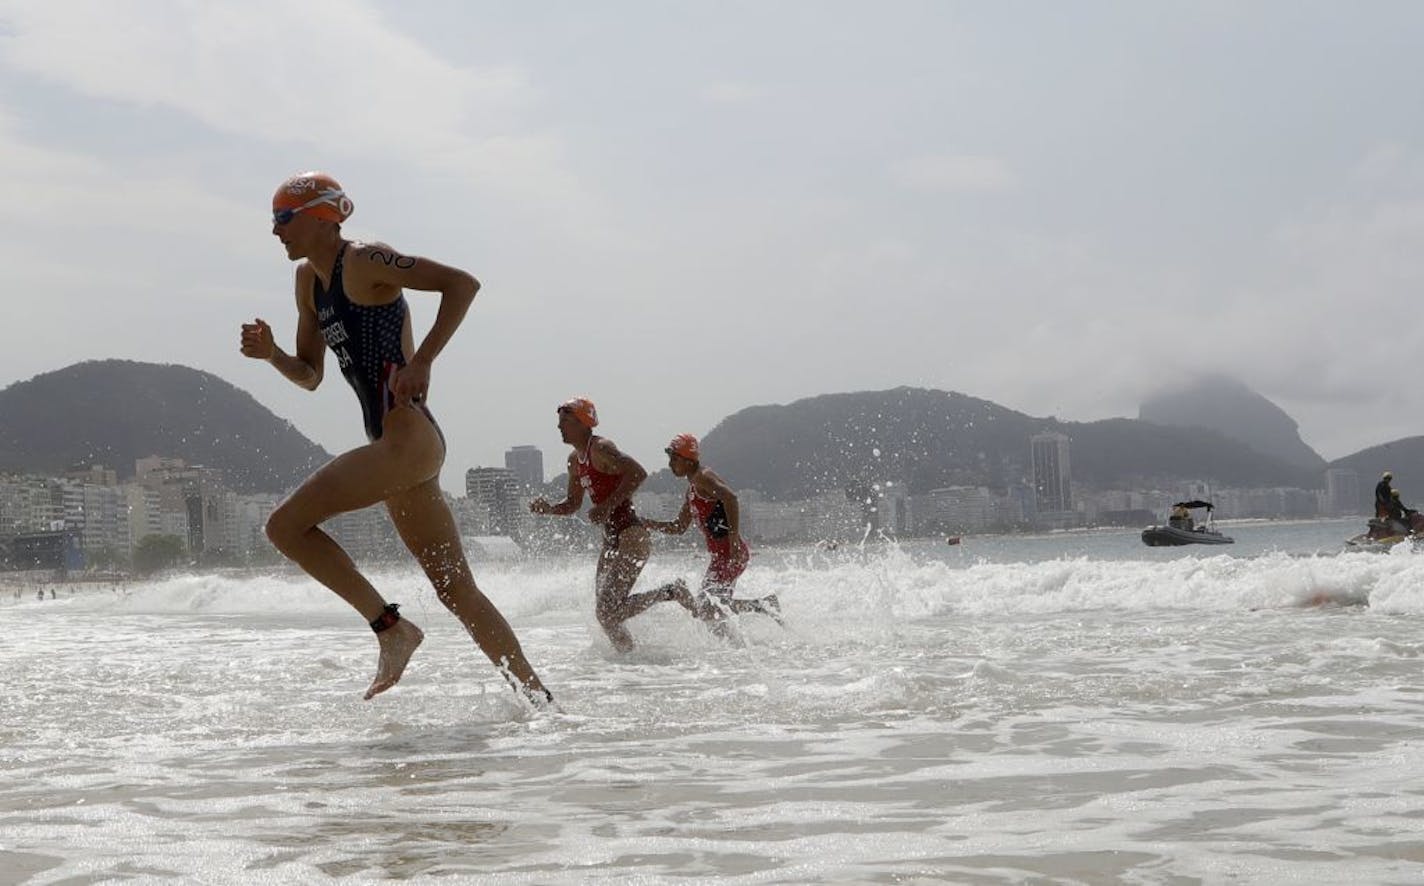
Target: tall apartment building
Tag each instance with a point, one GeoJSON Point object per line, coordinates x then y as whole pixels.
{"type": "Point", "coordinates": [527, 465]}
{"type": "Point", "coordinates": [1342, 492]}
{"type": "Point", "coordinates": [104, 520]}
{"type": "Point", "coordinates": [957, 509]}
{"type": "Point", "coordinates": [30, 504]}
{"type": "Point", "coordinates": [195, 492]}
{"type": "Point", "coordinates": [366, 534]}
{"type": "Point", "coordinates": [145, 514]}
{"type": "Point", "coordinates": [1052, 472]}
{"type": "Point", "coordinates": [495, 495]}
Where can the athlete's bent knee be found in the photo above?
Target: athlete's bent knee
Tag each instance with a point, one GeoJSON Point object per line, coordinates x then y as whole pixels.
{"type": "Point", "coordinates": [284, 531]}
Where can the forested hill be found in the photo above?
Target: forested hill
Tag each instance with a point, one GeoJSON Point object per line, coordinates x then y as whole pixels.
{"type": "Point", "coordinates": [927, 439]}
{"type": "Point", "coordinates": [112, 412]}
{"type": "Point", "coordinates": [1404, 458]}
{"type": "Point", "coordinates": [1227, 405]}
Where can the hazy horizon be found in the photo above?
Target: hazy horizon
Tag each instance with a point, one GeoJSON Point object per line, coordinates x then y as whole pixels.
{"type": "Point", "coordinates": [683, 210]}
{"type": "Point", "coordinates": [555, 457]}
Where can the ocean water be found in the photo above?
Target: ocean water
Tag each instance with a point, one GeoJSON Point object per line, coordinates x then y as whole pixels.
{"type": "Point", "coordinates": [1071, 708]}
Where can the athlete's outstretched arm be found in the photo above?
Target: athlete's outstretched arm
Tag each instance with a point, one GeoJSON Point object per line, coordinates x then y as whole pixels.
{"type": "Point", "coordinates": [573, 499]}
{"type": "Point", "coordinates": [676, 526]}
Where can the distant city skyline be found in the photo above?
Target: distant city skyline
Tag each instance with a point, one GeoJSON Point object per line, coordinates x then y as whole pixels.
{"type": "Point", "coordinates": [89, 518]}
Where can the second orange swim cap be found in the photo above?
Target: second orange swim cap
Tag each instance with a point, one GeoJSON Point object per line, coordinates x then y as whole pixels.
{"type": "Point", "coordinates": [686, 446]}
{"type": "Point", "coordinates": [582, 409]}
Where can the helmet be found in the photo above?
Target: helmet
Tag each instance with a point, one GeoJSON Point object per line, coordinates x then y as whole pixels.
{"type": "Point", "coordinates": [686, 446]}
{"type": "Point", "coordinates": [313, 193]}
{"type": "Point", "coordinates": [582, 409]}
{"type": "Point", "coordinates": [1394, 493]}
{"type": "Point", "coordinates": [1388, 475]}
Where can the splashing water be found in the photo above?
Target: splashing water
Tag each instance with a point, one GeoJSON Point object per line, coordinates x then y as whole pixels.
{"type": "Point", "coordinates": [1070, 707]}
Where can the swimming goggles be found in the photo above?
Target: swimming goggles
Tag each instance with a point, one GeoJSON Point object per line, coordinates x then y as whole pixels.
{"type": "Point", "coordinates": [284, 216]}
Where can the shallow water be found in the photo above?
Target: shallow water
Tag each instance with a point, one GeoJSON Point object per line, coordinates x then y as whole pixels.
{"type": "Point", "coordinates": [1066, 708]}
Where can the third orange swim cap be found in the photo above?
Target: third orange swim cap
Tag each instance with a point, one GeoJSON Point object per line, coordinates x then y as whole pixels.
{"type": "Point", "coordinates": [313, 193]}
{"type": "Point", "coordinates": [686, 446]}
{"type": "Point", "coordinates": [582, 409]}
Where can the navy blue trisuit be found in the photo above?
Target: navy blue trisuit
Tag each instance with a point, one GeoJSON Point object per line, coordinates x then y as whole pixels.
{"type": "Point", "coordinates": [367, 341]}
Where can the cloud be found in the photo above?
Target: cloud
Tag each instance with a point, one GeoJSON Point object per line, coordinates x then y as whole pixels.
{"type": "Point", "coordinates": [118, 119]}
{"type": "Point", "coordinates": [1327, 333]}
{"type": "Point", "coordinates": [51, 188]}
{"type": "Point", "coordinates": [1389, 166]}
{"type": "Point", "coordinates": [1359, 251]}
{"type": "Point", "coordinates": [730, 92]}
{"type": "Point", "coordinates": [951, 173]}
{"type": "Point", "coordinates": [326, 73]}
{"type": "Point", "coordinates": [1370, 249]}
{"type": "Point", "coordinates": [254, 68]}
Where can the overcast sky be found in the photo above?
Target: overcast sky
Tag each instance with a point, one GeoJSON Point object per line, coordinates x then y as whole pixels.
{"type": "Point", "coordinates": [683, 209]}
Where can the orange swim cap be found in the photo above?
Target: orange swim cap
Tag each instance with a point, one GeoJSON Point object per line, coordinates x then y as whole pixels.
{"type": "Point", "coordinates": [686, 446]}
{"type": "Point", "coordinates": [313, 193]}
{"type": "Point", "coordinates": [582, 409]}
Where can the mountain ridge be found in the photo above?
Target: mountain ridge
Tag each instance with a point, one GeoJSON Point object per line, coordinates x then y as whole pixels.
{"type": "Point", "coordinates": [113, 412]}
{"type": "Point", "coordinates": [926, 438]}
{"type": "Point", "coordinates": [1228, 406]}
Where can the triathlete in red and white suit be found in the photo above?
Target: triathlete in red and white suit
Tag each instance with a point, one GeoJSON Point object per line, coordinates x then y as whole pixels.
{"type": "Point", "coordinates": [728, 562]}
{"type": "Point", "coordinates": [714, 505]}
{"type": "Point", "coordinates": [610, 478]}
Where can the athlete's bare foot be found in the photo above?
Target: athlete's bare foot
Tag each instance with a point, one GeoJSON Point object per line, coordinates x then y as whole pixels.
{"type": "Point", "coordinates": [398, 643]}
{"type": "Point", "coordinates": [542, 700]}
{"type": "Point", "coordinates": [771, 606]}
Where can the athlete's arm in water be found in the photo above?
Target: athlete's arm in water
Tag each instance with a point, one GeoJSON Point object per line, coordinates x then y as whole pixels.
{"type": "Point", "coordinates": [573, 499]}
{"type": "Point", "coordinates": [607, 458]}
{"type": "Point", "coordinates": [676, 526]}
{"type": "Point", "coordinates": [305, 367]}
{"type": "Point", "coordinates": [375, 274]}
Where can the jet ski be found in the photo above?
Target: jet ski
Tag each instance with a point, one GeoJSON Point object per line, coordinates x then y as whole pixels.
{"type": "Point", "coordinates": [1385, 534]}
{"type": "Point", "coordinates": [1181, 529]}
